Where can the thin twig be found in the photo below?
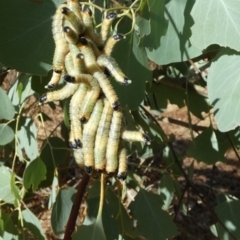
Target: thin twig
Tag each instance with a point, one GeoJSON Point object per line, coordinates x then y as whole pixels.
{"type": "Point", "coordinates": [75, 207]}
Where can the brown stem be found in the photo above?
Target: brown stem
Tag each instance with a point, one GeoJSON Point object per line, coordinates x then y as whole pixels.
{"type": "Point", "coordinates": [75, 207]}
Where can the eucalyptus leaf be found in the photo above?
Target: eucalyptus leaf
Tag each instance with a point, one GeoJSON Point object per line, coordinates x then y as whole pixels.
{"type": "Point", "coordinates": [6, 108]}
{"type": "Point", "coordinates": [6, 133]}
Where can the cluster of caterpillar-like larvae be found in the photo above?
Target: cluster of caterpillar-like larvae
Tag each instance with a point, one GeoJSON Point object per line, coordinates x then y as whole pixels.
{"type": "Point", "coordinates": [82, 58]}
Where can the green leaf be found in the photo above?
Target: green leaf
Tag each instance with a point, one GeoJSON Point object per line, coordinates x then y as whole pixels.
{"type": "Point", "coordinates": [32, 223]}
{"type": "Point", "coordinates": [6, 108]}
{"type": "Point", "coordinates": [207, 148]}
{"type": "Point", "coordinates": [6, 192]}
{"type": "Point", "coordinates": [53, 154]}
{"type": "Point", "coordinates": [229, 214]}
{"type": "Point", "coordinates": [26, 42]}
{"type": "Point", "coordinates": [223, 89]}
{"type": "Point", "coordinates": [153, 223]}
{"type": "Point", "coordinates": [22, 86]}
{"type": "Point", "coordinates": [7, 132]}
{"type": "Point", "coordinates": [175, 45]}
{"type": "Point", "coordinates": [166, 190]}
{"type": "Point", "coordinates": [53, 195]}
{"type": "Point", "coordinates": [27, 138]}
{"type": "Point", "coordinates": [222, 27]}
{"type": "Point", "coordinates": [38, 83]}
{"type": "Point", "coordinates": [34, 173]}
{"type": "Point", "coordinates": [7, 228]}
{"type": "Point", "coordinates": [133, 94]}
{"type": "Point", "coordinates": [61, 210]}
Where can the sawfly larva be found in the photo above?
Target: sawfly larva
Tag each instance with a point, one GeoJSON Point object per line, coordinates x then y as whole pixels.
{"type": "Point", "coordinates": [70, 35]}
{"type": "Point", "coordinates": [106, 26]}
{"type": "Point", "coordinates": [93, 69]}
{"type": "Point", "coordinates": [61, 47]}
{"type": "Point", "coordinates": [75, 6]}
{"type": "Point", "coordinates": [112, 66]}
{"type": "Point", "coordinates": [78, 156]}
{"type": "Point", "coordinates": [113, 142]}
{"type": "Point", "coordinates": [89, 134]}
{"type": "Point", "coordinates": [88, 21]}
{"type": "Point", "coordinates": [122, 163]}
{"type": "Point", "coordinates": [73, 20]}
{"type": "Point", "coordinates": [111, 43]}
{"type": "Point", "coordinates": [135, 136]}
{"type": "Point", "coordinates": [75, 135]}
{"type": "Point", "coordinates": [102, 137]}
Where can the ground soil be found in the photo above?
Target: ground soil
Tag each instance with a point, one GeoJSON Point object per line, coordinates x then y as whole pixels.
{"type": "Point", "coordinates": [209, 180]}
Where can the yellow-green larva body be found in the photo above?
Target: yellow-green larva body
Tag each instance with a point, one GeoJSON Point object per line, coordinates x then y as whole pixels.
{"type": "Point", "coordinates": [78, 156]}
{"type": "Point", "coordinates": [102, 136]}
{"type": "Point", "coordinates": [122, 163]}
{"type": "Point", "coordinates": [75, 136]}
{"type": "Point", "coordinates": [112, 66]}
{"type": "Point", "coordinates": [135, 136]}
{"type": "Point", "coordinates": [108, 48]}
{"type": "Point", "coordinates": [75, 6]}
{"type": "Point", "coordinates": [113, 142]}
{"type": "Point", "coordinates": [89, 134]}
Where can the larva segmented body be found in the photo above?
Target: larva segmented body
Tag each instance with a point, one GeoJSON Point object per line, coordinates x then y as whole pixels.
{"type": "Point", "coordinates": [78, 156]}
{"type": "Point", "coordinates": [61, 47]}
{"type": "Point", "coordinates": [113, 142]}
{"type": "Point", "coordinates": [96, 72]}
{"type": "Point", "coordinates": [111, 43]}
{"type": "Point", "coordinates": [135, 136]}
{"type": "Point", "coordinates": [110, 63]}
{"type": "Point", "coordinates": [75, 23]}
{"type": "Point", "coordinates": [106, 26]}
{"type": "Point", "coordinates": [75, 135]}
{"type": "Point", "coordinates": [102, 137]}
{"type": "Point", "coordinates": [122, 163]}
{"type": "Point", "coordinates": [75, 6]}
{"type": "Point", "coordinates": [89, 134]}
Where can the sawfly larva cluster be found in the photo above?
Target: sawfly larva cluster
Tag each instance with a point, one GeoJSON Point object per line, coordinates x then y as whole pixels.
{"type": "Point", "coordinates": [81, 59]}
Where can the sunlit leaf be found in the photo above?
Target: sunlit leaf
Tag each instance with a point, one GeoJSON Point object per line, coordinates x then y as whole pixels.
{"type": "Point", "coordinates": [7, 132]}
{"type": "Point", "coordinates": [223, 89]}
{"type": "Point", "coordinates": [222, 27]}
{"type": "Point", "coordinates": [6, 108]}
{"type": "Point", "coordinates": [32, 223]}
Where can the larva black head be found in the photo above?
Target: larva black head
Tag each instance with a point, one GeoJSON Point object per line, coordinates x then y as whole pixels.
{"type": "Point", "coordinates": [110, 174]}
{"type": "Point", "coordinates": [111, 15]}
{"type": "Point", "coordinates": [126, 81]}
{"type": "Point", "coordinates": [83, 41]}
{"type": "Point", "coordinates": [78, 143]}
{"type": "Point", "coordinates": [116, 106]}
{"type": "Point", "coordinates": [50, 86]}
{"type": "Point", "coordinates": [100, 47]}
{"type": "Point", "coordinates": [146, 139]}
{"type": "Point", "coordinates": [118, 37]}
{"type": "Point", "coordinates": [67, 29]}
{"type": "Point", "coordinates": [80, 56]}
{"type": "Point", "coordinates": [65, 10]}
{"type": "Point", "coordinates": [108, 183]}
{"type": "Point", "coordinates": [122, 176]}
{"type": "Point", "coordinates": [89, 169]}
{"type": "Point", "coordinates": [73, 145]}
{"type": "Point", "coordinates": [69, 78]}
{"type": "Point", "coordinates": [89, 11]}
{"type": "Point", "coordinates": [83, 119]}
{"type": "Point", "coordinates": [99, 170]}
{"type": "Point", "coordinates": [43, 98]}
{"type": "Point", "coordinates": [107, 72]}
{"type": "Point", "coordinates": [57, 71]}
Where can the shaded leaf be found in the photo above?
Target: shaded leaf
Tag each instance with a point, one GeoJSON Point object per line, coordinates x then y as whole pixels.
{"type": "Point", "coordinates": [34, 173]}
{"type": "Point", "coordinates": [32, 223]}
{"type": "Point", "coordinates": [229, 214]}
{"type": "Point", "coordinates": [27, 138]}
{"type": "Point", "coordinates": [61, 210]}
{"type": "Point", "coordinates": [216, 22]}
{"type": "Point", "coordinates": [7, 228]}
{"type": "Point", "coordinates": [223, 89]}
{"type": "Point", "coordinates": [175, 45]}
{"type": "Point", "coordinates": [26, 42]}
{"type": "Point", "coordinates": [7, 132]}
{"type": "Point", "coordinates": [207, 148]}
{"type": "Point", "coordinates": [153, 223]}
{"type": "Point", "coordinates": [7, 110]}
{"type": "Point", "coordinates": [38, 83]}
